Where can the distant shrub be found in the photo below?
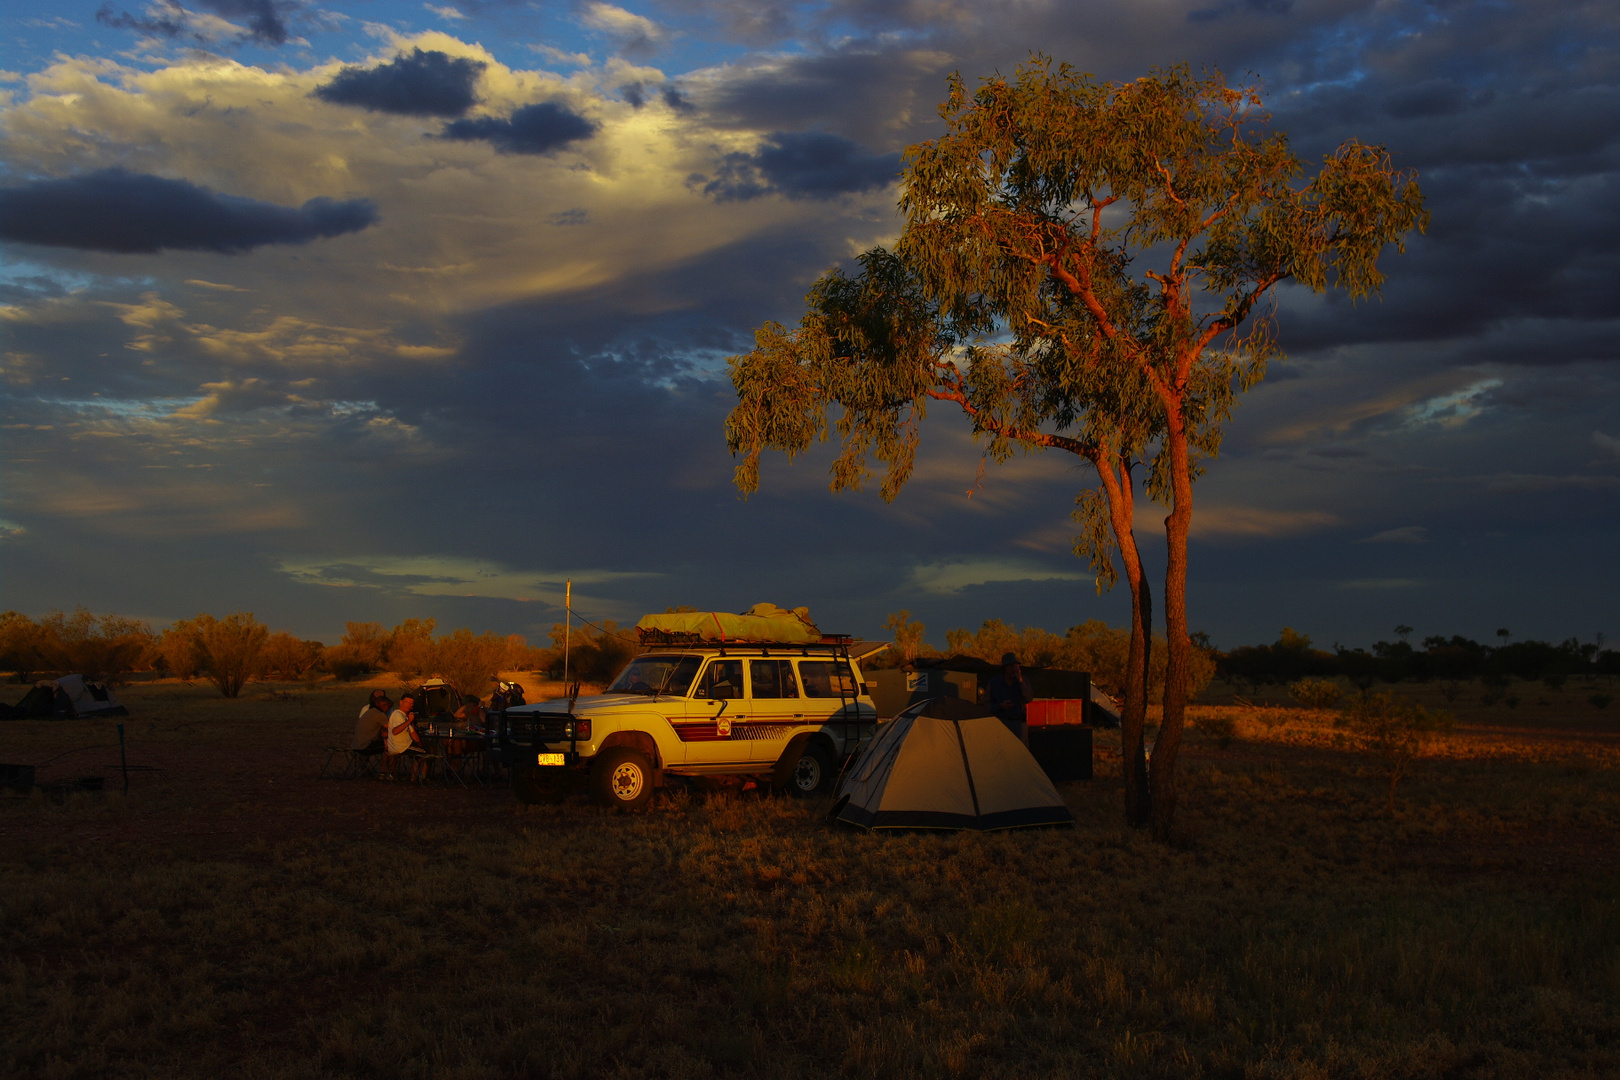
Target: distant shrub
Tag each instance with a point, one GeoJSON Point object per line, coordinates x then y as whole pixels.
{"type": "Point", "coordinates": [1600, 701]}
{"type": "Point", "coordinates": [1221, 727]}
{"type": "Point", "coordinates": [289, 658]}
{"type": "Point", "coordinates": [1315, 693]}
{"type": "Point", "coordinates": [1394, 730]}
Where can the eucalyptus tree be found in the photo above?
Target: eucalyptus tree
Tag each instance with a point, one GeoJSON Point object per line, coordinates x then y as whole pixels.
{"type": "Point", "coordinates": [1099, 258]}
{"type": "Point", "coordinates": [879, 349]}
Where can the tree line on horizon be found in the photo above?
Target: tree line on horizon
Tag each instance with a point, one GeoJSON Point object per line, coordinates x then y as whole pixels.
{"type": "Point", "coordinates": [237, 649]}
{"type": "Point", "coordinates": [1456, 659]}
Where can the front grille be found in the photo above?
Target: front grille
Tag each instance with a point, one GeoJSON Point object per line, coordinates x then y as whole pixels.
{"type": "Point", "coordinates": [536, 728]}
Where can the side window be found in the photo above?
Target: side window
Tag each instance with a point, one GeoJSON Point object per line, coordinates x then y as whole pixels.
{"type": "Point", "coordinates": [773, 678]}
{"type": "Point", "coordinates": [680, 676]}
{"type": "Point", "coordinates": [827, 678]}
{"type": "Point", "coordinates": [721, 679]}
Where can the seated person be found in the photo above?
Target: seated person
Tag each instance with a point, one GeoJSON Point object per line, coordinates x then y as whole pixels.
{"type": "Point", "coordinates": [401, 740]}
{"type": "Point", "coordinates": [471, 713]}
{"type": "Point", "coordinates": [372, 725]}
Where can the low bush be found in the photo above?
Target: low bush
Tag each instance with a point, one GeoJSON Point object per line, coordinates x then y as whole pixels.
{"type": "Point", "coordinates": [1315, 693]}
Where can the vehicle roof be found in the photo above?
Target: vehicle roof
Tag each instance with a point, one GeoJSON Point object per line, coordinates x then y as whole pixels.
{"type": "Point", "coordinates": [857, 649]}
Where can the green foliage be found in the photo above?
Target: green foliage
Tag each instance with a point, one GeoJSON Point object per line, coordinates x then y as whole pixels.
{"type": "Point", "coordinates": [908, 637]}
{"type": "Point", "coordinates": [469, 661]}
{"type": "Point", "coordinates": [364, 649]}
{"type": "Point", "coordinates": [98, 647]}
{"type": "Point", "coordinates": [594, 655]}
{"type": "Point", "coordinates": [286, 657]}
{"type": "Point", "coordinates": [1394, 730]}
{"type": "Point", "coordinates": [1093, 647]}
{"type": "Point", "coordinates": [1315, 693]}
{"type": "Point", "coordinates": [229, 650]}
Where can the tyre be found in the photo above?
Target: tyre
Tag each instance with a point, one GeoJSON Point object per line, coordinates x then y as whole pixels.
{"type": "Point", "coordinates": [622, 778]}
{"type": "Point", "coordinates": [536, 785]}
{"type": "Point", "coordinates": [813, 772]}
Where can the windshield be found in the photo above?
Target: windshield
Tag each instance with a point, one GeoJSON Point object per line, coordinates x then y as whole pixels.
{"type": "Point", "coordinates": [656, 675]}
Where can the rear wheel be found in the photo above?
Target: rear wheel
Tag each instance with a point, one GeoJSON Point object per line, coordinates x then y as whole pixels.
{"type": "Point", "coordinates": [622, 778]}
{"type": "Point", "coordinates": [812, 773]}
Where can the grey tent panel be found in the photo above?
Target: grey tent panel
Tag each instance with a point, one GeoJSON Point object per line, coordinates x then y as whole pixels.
{"type": "Point", "coordinates": [947, 764]}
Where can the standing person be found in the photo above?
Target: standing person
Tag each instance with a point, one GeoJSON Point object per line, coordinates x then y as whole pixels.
{"type": "Point", "coordinates": [401, 738]}
{"type": "Point", "coordinates": [1009, 693]}
{"type": "Point", "coordinates": [371, 729]}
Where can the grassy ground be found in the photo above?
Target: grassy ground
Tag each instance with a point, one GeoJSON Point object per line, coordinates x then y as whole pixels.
{"type": "Point", "coordinates": [234, 914]}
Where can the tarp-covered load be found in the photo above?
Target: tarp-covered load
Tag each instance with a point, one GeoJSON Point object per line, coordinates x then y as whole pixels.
{"type": "Point", "coordinates": [68, 697]}
{"type": "Point", "coordinates": [947, 764]}
{"type": "Point", "coordinates": [762, 622]}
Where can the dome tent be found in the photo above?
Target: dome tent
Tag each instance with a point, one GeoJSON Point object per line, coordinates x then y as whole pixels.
{"type": "Point", "coordinates": [68, 697]}
{"type": "Point", "coordinates": [947, 764]}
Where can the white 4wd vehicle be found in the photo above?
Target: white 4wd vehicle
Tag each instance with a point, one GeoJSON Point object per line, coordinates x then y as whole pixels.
{"type": "Point", "coordinates": [787, 714]}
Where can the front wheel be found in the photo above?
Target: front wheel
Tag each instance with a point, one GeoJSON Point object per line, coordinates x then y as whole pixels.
{"type": "Point", "coordinates": [812, 772]}
{"type": "Point", "coordinates": [622, 778]}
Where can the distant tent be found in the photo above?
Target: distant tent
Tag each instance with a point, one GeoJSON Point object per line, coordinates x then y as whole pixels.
{"type": "Point", "coordinates": [947, 764]}
{"type": "Point", "coordinates": [68, 697]}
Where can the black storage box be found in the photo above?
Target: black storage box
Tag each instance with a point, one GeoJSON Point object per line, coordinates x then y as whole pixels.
{"type": "Point", "coordinates": [1063, 750]}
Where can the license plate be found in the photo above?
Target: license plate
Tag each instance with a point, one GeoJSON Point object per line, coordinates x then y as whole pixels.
{"type": "Point", "coordinates": [550, 759]}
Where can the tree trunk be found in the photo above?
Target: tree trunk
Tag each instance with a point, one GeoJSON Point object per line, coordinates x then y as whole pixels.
{"type": "Point", "coordinates": [1122, 508]}
{"type": "Point", "coordinates": [1162, 769]}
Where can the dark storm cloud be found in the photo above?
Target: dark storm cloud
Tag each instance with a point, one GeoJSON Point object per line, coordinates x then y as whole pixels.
{"type": "Point", "coordinates": [533, 129]}
{"type": "Point", "coordinates": [802, 165]}
{"type": "Point", "coordinates": [265, 19]}
{"type": "Point", "coordinates": [637, 94]}
{"type": "Point", "coordinates": [171, 25]}
{"type": "Point", "coordinates": [126, 212]}
{"type": "Point", "coordinates": [421, 83]}
{"type": "Point", "coordinates": [1240, 8]}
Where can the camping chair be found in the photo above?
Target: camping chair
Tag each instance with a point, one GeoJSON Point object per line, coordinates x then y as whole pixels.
{"type": "Point", "coordinates": [356, 764]}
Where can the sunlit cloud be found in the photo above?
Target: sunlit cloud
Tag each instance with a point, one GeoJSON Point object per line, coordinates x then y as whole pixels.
{"type": "Point", "coordinates": [448, 575]}
{"type": "Point", "coordinates": [954, 576]}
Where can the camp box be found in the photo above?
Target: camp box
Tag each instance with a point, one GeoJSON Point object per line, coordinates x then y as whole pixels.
{"type": "Point", "coordinates": [1059, 737]}
{"type": "Point", "coordinates": [1050, 712]}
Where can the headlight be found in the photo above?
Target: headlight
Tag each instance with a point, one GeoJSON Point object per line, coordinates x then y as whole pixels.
{"type": "Point", "coordinates": [577, 729]}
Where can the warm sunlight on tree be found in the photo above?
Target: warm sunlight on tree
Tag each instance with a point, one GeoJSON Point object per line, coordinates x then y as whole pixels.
{"type": "Point", "coordinates": [1085, 266]}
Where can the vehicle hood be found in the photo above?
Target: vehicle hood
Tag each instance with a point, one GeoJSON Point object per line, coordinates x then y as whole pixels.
{"type": "Point", "coordinates": [586, 706]}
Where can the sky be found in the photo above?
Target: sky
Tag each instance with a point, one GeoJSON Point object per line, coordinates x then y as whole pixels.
{"type": "Point", "coordinates": [383, 309]}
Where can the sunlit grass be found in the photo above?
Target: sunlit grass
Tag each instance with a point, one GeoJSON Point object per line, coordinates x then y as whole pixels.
{"type": "Point", "coordinates": [1295, 929]}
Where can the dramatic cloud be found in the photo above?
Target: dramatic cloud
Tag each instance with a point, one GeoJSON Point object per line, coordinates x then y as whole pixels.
{"type": "Point", "coordinates": [533, 129]}
{"type": "Point", "coordinates": [418, 84]}
{"type": "Point", "coordinates": [802, 165]}
{"type": "Point", "coordinates": [135, 213]}
{"type": "Point", "coordinates": [166, 18]}
{"type": "Point", "coordinates": [635, 35]}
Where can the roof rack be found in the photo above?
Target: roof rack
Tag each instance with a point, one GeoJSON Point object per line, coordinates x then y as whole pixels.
{"type": "Point", "coordinates": [836, 643]}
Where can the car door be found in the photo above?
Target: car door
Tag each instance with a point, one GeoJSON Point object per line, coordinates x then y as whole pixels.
{"type": "Point", "coordinates": [830, 699]}
{"type": "Point", "coordinates": [716, 709]}
{"type": "Point", "coordinates": [776, 708]}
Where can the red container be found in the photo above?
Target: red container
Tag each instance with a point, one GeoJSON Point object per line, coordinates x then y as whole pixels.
{"type": "Point", "coordinates": [1053, 712]}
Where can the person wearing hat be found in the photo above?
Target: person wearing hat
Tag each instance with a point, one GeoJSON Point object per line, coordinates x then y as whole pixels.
{"type": "Point", "coordinates": [1009, 692]}
{"type": "Point", "coordinates": [372, 725]}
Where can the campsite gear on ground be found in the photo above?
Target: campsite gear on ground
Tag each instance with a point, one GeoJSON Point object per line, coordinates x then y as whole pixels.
{"type": "Point", "coordinates": [69, 697]}
{"type": "Point", "coordinates": [947, 764]}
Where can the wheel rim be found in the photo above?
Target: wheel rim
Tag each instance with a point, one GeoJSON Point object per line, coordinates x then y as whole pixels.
{"type": "Point", "coordinates": [808, 773]}
{"type": "Point", "coordinates": [626, 781]}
